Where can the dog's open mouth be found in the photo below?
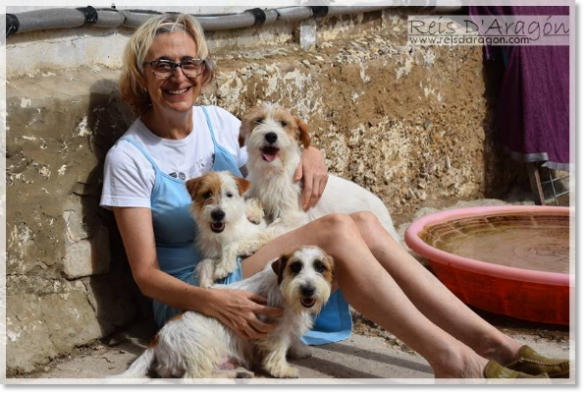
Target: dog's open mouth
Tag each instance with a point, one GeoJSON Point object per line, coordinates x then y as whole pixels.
{"type": "Point", "coordinates": [217, 227]}
{"type": "Point", "coordinates": [269, 154]}
{"type": "Point", "coordinates": [307, 302]}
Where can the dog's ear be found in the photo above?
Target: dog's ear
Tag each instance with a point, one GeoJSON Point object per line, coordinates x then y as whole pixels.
{"type": "Point", "coordinates": [303, 132]}
{"type": "Point", "coordinates": [332, 264]}
{"type": "Point", "coordinates": [243, 185]}
{"type": "Point", "coordinates": [279, 267]}
{"type": "Point", "coordinates": [241, 136]}
{"type": "Point", "coordinates": [245, 128]}
{"type": "Point", "coordinates": [192, 186]}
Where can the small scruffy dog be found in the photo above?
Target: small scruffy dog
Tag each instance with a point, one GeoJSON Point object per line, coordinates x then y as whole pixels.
{"type": "Point", "coordinates": [193, 345]}
{"type": "Point", "coordinates": [273, 137]}
{"type": "Point", "coordinates": [228, 225]}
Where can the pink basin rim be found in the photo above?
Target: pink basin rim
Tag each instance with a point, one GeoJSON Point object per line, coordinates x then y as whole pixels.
{"type": "Point", "coordinates": [419, 246]}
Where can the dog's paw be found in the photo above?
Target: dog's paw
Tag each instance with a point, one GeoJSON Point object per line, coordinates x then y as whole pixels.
{"type": "Point", "coordinates": [284, 371]}
{"type": "Point", "coordinates": [224, 269]}
{"type": "Point", "coordinates": [244, 374]}
{"type": "Point", "coordinates": [206, 282]}
{"type": "Point", "coordinates": [250, 247]}
{"type": "Point", "coordinates": [239, 373]}
{"type": "Point", "coordinates": [205, 273]}
{"type": "Point", "coordinates": [299, 351]}
{"type": "Point", "coordinates": [254, 211]}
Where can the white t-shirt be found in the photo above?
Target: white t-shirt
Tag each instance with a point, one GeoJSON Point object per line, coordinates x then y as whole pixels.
{"type": "Point", "coordinates": [129, 177]}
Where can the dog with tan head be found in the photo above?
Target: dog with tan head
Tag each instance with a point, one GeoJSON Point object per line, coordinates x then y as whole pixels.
{"type": "Point", "coordinates": [274, 139]}
{"type": "Point", "coordinates": [305, 278]}
{"type": "Point", "coordinates": [228, 225]}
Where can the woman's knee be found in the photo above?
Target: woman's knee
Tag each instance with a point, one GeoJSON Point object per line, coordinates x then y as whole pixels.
{"type": "Point", "coordinates": [370, 228]}
{"type": "Point", "coordinates": [367, 223]}
{"type": "Point", "coordinates": [338, 227]}
{"type": "Point", "coordinates": [364, 218]}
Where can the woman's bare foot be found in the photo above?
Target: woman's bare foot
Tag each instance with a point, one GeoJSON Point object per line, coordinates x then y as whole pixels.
{"type": "Point", "coordinates": [460, 364]}
{"type": "Point", "coordinates": [504, 350]}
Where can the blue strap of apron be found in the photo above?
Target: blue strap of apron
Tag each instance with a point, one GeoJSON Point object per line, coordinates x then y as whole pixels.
{"type": "Point", "coordinates": [147, 156]}
{"type": "Point", "coordinates": [221, 152]}
{"type": "Point", "coordinates": [205, 112]}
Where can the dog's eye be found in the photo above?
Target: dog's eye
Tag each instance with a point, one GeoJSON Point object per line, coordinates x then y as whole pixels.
{"type": "Point", "coordinates": [229, 195]}
{"type": "Point", "coordinates": [296, 267]}
{"type": "Point", "coordinates": [207, 195]}
{"type": "Point", "coordinates": [319, 266]}
{"type": "Point", "coordinates": [284, 124]}
{"type": "Point", "coordinates": [258, 121]}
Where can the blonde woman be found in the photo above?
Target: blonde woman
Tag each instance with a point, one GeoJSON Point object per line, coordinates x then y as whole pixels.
{"type": "Point", "coordinates": [166, 64]}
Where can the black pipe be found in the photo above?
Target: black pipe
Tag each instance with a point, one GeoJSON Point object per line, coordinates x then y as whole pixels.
{"type": "Point", "coordinates": [12, 24]}
{"type": "Point", "coordinates": [91, 15]}
{"type": "Point", "coordinates": [259, 16]}
{"type": "Point", "coordinates": [319, 11]}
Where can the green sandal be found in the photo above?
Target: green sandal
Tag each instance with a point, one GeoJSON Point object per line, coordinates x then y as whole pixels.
{"type": "Point", "coordinates": [494, 370]}
{"type": "Point", "coordinates": [531, 362]}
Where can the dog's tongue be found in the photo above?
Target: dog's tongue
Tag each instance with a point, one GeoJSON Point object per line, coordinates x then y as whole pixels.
{"type": "Point", "coordinates": [217, 226]}
{"type": "Point", "coordinates": [270, 153]}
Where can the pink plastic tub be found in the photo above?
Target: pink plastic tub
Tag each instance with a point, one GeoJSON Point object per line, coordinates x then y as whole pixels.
{"type": "Point", "coordinates": [511, 260]}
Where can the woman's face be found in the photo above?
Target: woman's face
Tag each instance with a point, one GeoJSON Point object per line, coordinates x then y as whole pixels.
{"type": "Point", "coordinates": [177, 93]}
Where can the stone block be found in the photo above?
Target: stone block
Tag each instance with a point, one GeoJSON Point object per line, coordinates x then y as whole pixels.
{"type": "Point", "coordinates": [87, 257]}
{"type": "Point", "coordinates": [41, 327]}
{"type": "Point", "coordinates": [28, 340]}
{"type": "Point", "coordinates": [70, 320]}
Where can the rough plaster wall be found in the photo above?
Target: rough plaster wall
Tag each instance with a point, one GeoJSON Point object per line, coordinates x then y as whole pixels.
{"type": "Point", "coordinates": [57, 236]}
{"type": "Point", "coordinates": [411, 124]}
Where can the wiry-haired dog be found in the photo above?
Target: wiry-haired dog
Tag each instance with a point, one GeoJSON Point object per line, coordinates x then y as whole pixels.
{"type": "Point", "coordinates": [228, 225]}
{"type": "Point", "coordinates": [194, 345]}
{"type": "Point", "coordinates": [273, 137]}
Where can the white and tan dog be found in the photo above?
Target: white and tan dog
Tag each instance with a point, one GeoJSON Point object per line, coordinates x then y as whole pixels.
{"type": "Point", "coordinates": [272, 137]}
{"type": "Point", "coordinates": [228, 225]}
{"type": "Point", "coordinates": [193, 345]}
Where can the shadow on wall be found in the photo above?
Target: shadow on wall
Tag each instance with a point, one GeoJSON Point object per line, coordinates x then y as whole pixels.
{"type": "Point", "coordinates": [118, 300]}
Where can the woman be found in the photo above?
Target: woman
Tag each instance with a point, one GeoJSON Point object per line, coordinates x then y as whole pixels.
{"type": "Point", "coordinates": [166, 64]}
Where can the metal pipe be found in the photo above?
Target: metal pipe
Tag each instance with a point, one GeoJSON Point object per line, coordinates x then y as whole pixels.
{"type": "Point", "coordinates": [294, 14]}
{"type": "Point", "coordinates": [234, 21]}
{"type": "Point", "coordinates": [109, 18]}
{"type": "Point", "coordinates": [61, 18]}
{"type": "Point", "coordinates": [135, 18]}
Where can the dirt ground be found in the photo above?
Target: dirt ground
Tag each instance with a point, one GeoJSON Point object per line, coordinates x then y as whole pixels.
{"type": "Point", "coordinates": [371, 353]}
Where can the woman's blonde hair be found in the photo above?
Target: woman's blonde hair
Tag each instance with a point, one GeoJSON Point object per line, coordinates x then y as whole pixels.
{"type": "Point", "coordinates": [132, 82]}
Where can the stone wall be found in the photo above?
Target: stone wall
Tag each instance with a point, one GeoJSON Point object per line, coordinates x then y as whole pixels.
{"type": "Point", "coordinates": [412, 124]}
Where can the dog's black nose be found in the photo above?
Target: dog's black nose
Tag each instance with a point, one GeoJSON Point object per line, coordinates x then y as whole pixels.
{"type": "Point", "coordinates": [271, 137]}
{"type": "Point", "coordinates": [307, 291]}
{"type": "Point", "coordinates": [218, 215]}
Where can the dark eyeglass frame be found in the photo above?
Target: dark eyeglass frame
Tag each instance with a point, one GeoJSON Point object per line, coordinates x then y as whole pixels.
{"type": "Point", "coordinates": [174, 65]}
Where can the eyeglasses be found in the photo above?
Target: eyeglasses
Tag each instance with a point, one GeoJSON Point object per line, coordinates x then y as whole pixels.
{"type": "Point", "coordinates": [164, 69]}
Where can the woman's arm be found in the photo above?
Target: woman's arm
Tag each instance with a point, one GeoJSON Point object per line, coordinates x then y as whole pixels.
{"type": "Point", "coordinates": [312, 169]}
{"type": "Point", "coordinates": [234, 308]}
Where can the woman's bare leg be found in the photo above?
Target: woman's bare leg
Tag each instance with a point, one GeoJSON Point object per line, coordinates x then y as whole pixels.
{"type": "Point", "coordinates": [431, 297]}
{"type": "Point", "coordinates": [372, 291]}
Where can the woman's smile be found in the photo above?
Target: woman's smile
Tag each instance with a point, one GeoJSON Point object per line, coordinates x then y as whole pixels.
{"type": "Point", "coordinates": [178, 93]}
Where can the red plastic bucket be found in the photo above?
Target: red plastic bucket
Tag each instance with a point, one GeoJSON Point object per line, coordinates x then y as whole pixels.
{"type": "Point", "coordinates": [533, 295]}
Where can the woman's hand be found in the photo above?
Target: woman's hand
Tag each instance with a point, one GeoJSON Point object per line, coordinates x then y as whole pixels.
{"type": "Point", "coordinates": [239, 311]}
{"type": "Point", "coordinates": [312, 169]}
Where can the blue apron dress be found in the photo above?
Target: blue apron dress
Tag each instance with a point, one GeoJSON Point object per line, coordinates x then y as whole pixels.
{"type": "Point", "coordinates": [175, 231]}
